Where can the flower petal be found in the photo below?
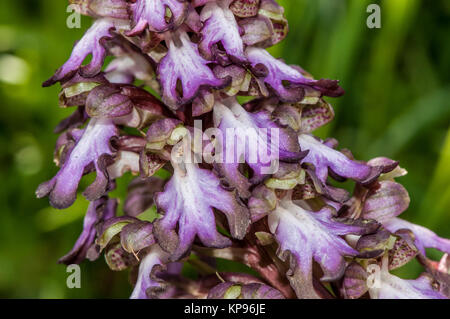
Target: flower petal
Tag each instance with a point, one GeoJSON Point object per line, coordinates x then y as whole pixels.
{"type": "Point", "coordinates": [440, 272]}
{"type": "Point", "coordinates": [404, 249]}
{"type": "Point", "coordinates": [203, 103]}
{"type": "Point", "coordinates": [92, 147]}
{"type": "Point", "coordinates": [262, 202]}
{"type": "Point", "coordinates": [220, 26]}
{"type": "Point", "coordinates": [240, 79]}
{"type": "Point", "coordinates": [125, 161]}
{"type": "Point", "coordinates": [425, 238]}
{"type": "Point", "coordinates": [76, 89]}
{"type": "Point", "coordinates": [253, 137]}
{"type": "Point", "coordinates": [277, 72]}
{"type": "Point", "coordinates": [245, 8]}
{"type": "Point", "coordinates": [91, 43]}
{"type": "Point", "coordinates": [324, 158]}
{"type": "Point", "coordinates": [147, 280]}
{"type": "Point", "coordinates": [98, 211]}
{"type": "Point", "coordinates": [187, 202]}
{"type": "Point", "coordinates": [316, 115]}
{"type": "Point", "coordinates": [106, 101]}
{"type": "Point", "coordinates": [258, 31]}
{"type": "Point", "coordinates": [117, 258]}
{"type": "Point", "coordinates": [110, 230]}
{"type": "Point", "coordinates": [183, 65]}
{"type": "Point", "coordinates": [130, 63]}
{"type": "Point", "coordinates": [288, 176]}
{"type": "Point", "coordinates": [310, 236]}
{"type": "Point", "coordinates": [375, 245]}
{"type": "Point", "coordinates": [160, 132]}
{"type": "Point", "coordinates": [158, 15]}
{"type": "Point", "coordinates": [386, 201]}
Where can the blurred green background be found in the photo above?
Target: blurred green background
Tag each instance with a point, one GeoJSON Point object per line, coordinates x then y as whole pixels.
{"type": "Point", "coordinates": [396, 105]}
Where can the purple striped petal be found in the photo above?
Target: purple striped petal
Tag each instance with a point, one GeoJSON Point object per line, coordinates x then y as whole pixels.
{"type": "Point", "coordinates": [245, 8]}
{"type": "Point", "coordinates": [220, 26]}
{"type": "Point", "coordinates": [386, 201]}
{"type": "Point", "coordinates": [93, 147]}
{"type": "Point", "coordinates": [277, 72]}
{"type": "Point", "coordinates": [354, 283]}
{"type": "Point", "coordinates": [425, 238]}
{"type": "Point", "coordinates": [91, 43]}
{"type": "Point", "coordinates": [117, 9]}
{"type": "Point", "coordinates": [393, 287]}
{"type": "Point", "coordinates": [98, 211]}
{"type": "Point", "coordinates": [187, 203]}
{"type": "Point", "coordinates": [154, 14]}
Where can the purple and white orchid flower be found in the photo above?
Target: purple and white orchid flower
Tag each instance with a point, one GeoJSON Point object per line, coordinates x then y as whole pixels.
{"type": "Point", "coordinates": [255, 187]}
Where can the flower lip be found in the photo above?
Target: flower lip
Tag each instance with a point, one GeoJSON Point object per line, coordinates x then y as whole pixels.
{"type": "Point", "coordinates": [154, 261]}
{"type": "Point", "coordinates": [141, 193]}
{"type": "Point", "coordinates": [117, 9]}
{"type": "Point", "coordinates": [324, 158]}
{"type": "Point", "coordinates": [320, 233]}
{"type": "Point", "coordinates": [276, 73]}
{"type": "Point", "coordinates": [93, 146]}
{"type": "Point", "coordinates": [98, 212]}
{"type": "Point", "coordinates": [254, 139]}
{"type": "Point", "coordinates": [91, 43]}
